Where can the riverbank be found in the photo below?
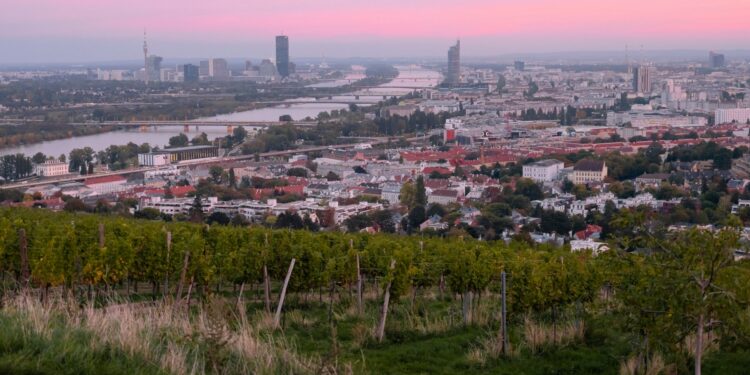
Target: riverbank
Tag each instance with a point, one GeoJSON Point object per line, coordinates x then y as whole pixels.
{"type": "Point", "coordinates": [19, 136]}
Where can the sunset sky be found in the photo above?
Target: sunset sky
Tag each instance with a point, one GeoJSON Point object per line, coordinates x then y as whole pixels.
{"type": "Point", "coordinates": [95, 30]}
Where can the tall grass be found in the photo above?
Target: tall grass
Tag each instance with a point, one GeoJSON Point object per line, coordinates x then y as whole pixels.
{"type": "Point", "coordinates": [208, 340]}
{"type": "Point", "coordinates": [538, 335]}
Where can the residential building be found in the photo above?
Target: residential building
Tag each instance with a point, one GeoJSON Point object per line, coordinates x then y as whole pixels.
{"type": "Point", "coordinates": [589, 171]}
{"type": "Point", "coordinates": [642, 79]}
{"type": "Point", "coordinates": [729, 115]}
{"type": "Point", "coordinates": [543, 170]}
{"type": "Point", "coordinates": [442, 196]}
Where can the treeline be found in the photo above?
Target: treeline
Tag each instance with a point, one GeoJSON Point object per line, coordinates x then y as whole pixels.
{"type": "Point", "coordinates": [35, 133]}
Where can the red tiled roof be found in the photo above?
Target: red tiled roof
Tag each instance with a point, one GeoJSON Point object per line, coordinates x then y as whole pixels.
{"type": "Point", "coordinates": [104, 179]}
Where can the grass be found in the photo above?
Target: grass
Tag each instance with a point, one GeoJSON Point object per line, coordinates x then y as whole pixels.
{"type": "Point", "coordinates": [426, 336]}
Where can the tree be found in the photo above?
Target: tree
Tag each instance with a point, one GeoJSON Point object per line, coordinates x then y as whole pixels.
{"type": "Point", "coordinates": [501, 83]}
{"type": "Point", "coordinates": [420, 193]}
{"type": "Point", "coordinates": [285, 118]}
{"type": "Point", "coordinates": [216, 171]}
{"type": "Point", "coordinates": [196, 210]}
{"type": "Point", "coordinates": [723, 159]}
{"type": "Point", "coordinates": [239, 134]}
{"type": "Point", "coordinates": [416, 217]}
{"type": "Point", "coordinates": [74, 205]}
{"type": "Point", "coordinates": [529, 189]}
{"type": "Point", "coordinates": [39, 158]}
{"type": "Point", "coordinates": [199, 140]}
{"type": "Point", "coordinates": [180, 140]}
{"type": "Point", "coordinates": [297, 172]}
{"type": "Point", "coordinates": [218, 218]}
{"type": "Point", "coordinates": [232, 178]}
{"type": "Point", "coordinates": [407, 195]}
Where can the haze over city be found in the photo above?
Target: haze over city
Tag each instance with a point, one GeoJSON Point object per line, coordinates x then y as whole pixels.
{"type": "Point", "coordinates": [50, 31]}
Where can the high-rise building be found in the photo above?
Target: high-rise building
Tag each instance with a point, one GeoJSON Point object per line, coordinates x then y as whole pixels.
{"type": "Point", "coordinates": [454, 64]}
{"type": "Point", "coordinates": [218, 69]}
{"type": "Point", "coordinates": [282, 55]}
{"type": "Point", "coordinates": [153, 68]}
{"type": "Point", "coordinates": [203, 68]}
{"type": "Point", "coordinates": [190, 73]}
{"type": "Point", "coordinates": [519, 65]}
{"type": "Point", "coordinates": [642, 78]}
{"type": "Point", "coordinates": [716, 60]}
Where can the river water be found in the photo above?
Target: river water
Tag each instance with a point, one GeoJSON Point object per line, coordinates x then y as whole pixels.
{"type": "Point", "coordinates": [410, 77]}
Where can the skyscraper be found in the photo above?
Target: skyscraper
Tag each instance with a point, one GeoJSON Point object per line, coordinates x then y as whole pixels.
{"type": "Point", "coordinates": [190, 73]}
{"type": "Point", "coordinates": [454, 64]}
{"type": "Point", "coordinates": [282, 55]}
{"type": "Point", "coordinates": [716, 60]}
{"type": "Point", "coordinates": [642, 78]}
{"type": "Point", "coordinates": [218, 69]}
{"type": "Point", "coordinates": [145, 58]}
{"type": "Point", "coordinates": [153, 68]}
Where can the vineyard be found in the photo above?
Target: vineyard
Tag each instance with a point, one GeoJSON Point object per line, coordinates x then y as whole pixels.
{"type": "Point", "coordinates": [161, 297]}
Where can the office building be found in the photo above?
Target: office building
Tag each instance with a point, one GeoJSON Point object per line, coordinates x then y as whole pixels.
{"type": "Point", "coordinates": [177, 154]}
{"type": "Point", "coordinates": [282, 55]}
{"type": "Point", "coordinates": [716, 60]}
{"type": "Point", "coordinates": [153, 68]}
{"type": "Point", "coordinates": [730, 115]}
{"type": "Point", "coordinates": [519, 65]}
{"type": "Point", "coordinates": [642, 79]}
{"type": "Point", "coordinates": [218, 69]}
{"type": "Point", "coordinates": [454, 64]}
{"type": "Point", "coordinates": [203, 69]}
{"type": "Point", "coordinates": [543, 170]}
{"type": "Point", "coordinates": [190, 73]}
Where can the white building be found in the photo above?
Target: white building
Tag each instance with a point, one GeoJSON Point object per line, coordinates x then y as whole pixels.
{"type": "Point", "coordinates": [153, 160]}
{"type": "Point", "coordinates": [596, 247]}
{"type": "Point", "coordinates": [107, 184]}
{"type": "Point", "coordinates": [729, 115]}
{"type": "Point", "coordinates": [51, 168]}
{"type": "Point", "coordinates": [544, 170]}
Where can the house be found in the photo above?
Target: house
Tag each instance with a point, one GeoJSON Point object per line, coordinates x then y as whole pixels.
{"type": "Point", "coordinates": [594, 246]}
{"type": "Point", "coordinates": [591, 232]}
{"type": "Point", "coordinates": [589, 171]}
{"type": "Point", "coordinates": [434, 223]}
{"type": "Point", "coordinates": [543, 170]}
{"type": "Point", "coordinates": [390, 191]}
{"type": "Point", "coordinates": [442, 196]}
{"type": "Point", "coordinates": [650, 180]}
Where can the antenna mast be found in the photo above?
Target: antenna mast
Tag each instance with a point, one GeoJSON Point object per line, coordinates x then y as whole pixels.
{"type": "Point", "coordinates": [145, 58]}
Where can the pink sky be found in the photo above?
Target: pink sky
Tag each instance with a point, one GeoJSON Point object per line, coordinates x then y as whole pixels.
{"type": "Point", "coordinates": [425, 26]}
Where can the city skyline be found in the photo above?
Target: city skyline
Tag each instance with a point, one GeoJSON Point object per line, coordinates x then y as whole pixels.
{"type": "Point", "coordinates": [84, 30]}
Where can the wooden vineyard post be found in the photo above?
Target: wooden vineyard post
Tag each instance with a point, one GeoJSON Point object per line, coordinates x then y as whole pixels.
{"type": "Point", "coordinates": [240, 305]}
{"type": "Point", "coordinates": [183, 274]}
{"type": "Point", "coordinates": [380, 333]}
{"type": "Point", "coordinates": [277, 319]}
{"type": "Point", "coordinates": [267, 288]}
{"type": "Point", "coordinates": [360, 308]}
{"type": "Point", "coordinates": [504, 323]}
{"type": "Point", "coordinates": [23, 248]}
{"type": "Point", "coordinates": [101, 236]}
{"type": "Point", "coordinates": [166, 272]}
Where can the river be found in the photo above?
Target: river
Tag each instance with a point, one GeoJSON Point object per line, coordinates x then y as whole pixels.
{"type": "Point", "coordinates": [410, 77]}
